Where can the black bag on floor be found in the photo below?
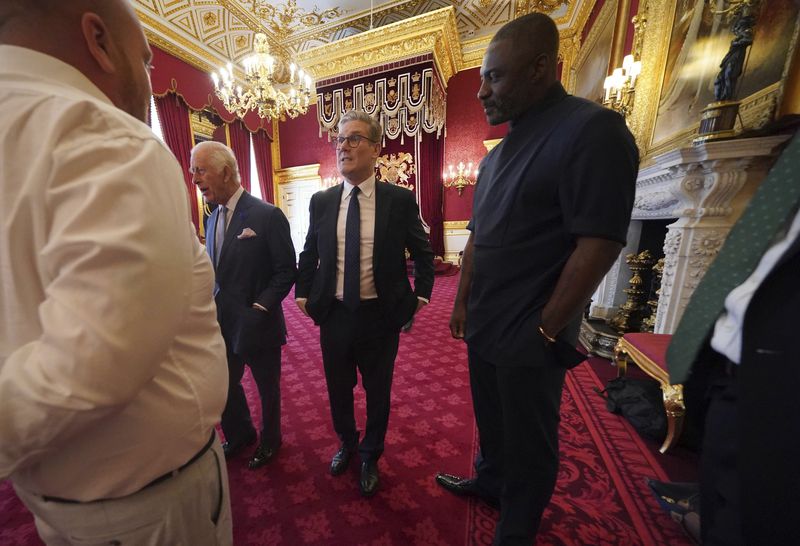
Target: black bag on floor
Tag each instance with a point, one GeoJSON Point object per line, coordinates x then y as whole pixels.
{"type": "Point", "coordinates": [640, 401]}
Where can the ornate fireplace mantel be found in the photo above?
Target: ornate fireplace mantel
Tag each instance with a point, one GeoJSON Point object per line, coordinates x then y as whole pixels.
{"type": "Point", "coordinates": [706, 188]}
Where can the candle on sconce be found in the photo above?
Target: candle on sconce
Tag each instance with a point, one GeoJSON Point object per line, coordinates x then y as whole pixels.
{"type": "Point", "coordinates": [459, 177]}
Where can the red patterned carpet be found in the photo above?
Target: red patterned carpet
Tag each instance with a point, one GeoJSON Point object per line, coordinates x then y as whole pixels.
{"type": "Point", "coordinates": [601, 496]}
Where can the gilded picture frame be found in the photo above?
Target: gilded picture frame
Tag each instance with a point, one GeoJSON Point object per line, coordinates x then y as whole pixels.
{"type": "Point", "coordinates": [682, 48]}
{"type": "Point", "coordinates": [590, 67]}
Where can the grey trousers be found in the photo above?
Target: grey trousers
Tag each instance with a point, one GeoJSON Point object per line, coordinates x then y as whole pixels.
{"type": "Point", "coordinates": [190, 509]}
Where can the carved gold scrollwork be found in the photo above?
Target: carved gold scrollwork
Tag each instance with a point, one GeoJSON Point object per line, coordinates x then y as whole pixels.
{"type": "Point", "coordinates": [673, 400]}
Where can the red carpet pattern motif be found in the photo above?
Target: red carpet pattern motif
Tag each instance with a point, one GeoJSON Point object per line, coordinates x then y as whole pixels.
{"type": "Point", "coordinates": [601, 497]}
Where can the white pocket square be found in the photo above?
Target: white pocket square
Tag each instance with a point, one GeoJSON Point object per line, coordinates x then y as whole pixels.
{"type": "Point", "coordinates": [246, 233]}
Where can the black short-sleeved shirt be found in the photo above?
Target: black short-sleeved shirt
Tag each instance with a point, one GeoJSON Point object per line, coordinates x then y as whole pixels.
{"type": "Point", "coordinates": [566, 169]}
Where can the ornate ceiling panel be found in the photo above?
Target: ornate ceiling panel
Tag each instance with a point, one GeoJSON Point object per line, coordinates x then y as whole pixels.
{"type": "Point", "coordinates": [210, 33]}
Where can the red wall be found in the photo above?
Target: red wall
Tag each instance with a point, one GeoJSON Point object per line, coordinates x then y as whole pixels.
{"type": "Point", "coordinates": [467, 128]}
{"type": "Point", "coordinates": [301, 144]}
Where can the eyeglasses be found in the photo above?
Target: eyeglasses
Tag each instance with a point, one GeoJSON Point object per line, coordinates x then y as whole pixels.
{"type": "Point", "coordinates": [352, 141]}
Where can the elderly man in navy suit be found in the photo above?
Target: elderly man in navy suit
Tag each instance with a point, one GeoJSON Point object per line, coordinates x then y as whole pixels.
{"type": "Point", "coordinates": [250, 245]}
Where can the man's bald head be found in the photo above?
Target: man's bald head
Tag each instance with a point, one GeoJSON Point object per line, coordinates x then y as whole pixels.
{"type": "Point", "coordinates": [103, 39]}
{"type": "Point", "coordinates": [533, 34]}
{"type": "Point", "coordinates": [519, 67]}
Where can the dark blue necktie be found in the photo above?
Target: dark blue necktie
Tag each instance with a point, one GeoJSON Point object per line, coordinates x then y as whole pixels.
{"type": "Point", "coordinates": [219, 233]}
{"type": "Point", "coordinates": [352, 253]}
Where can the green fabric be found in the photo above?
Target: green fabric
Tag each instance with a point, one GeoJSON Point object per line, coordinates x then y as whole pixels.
{"type": "Point", "coordinates": [748, 240]}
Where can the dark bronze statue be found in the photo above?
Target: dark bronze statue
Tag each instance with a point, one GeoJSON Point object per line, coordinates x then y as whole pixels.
{"type": "Point", "coordinates": [732, 64]}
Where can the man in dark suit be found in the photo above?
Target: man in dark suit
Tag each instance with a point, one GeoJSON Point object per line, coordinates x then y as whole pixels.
{"type": "Point", "coordinates": [550, 215]}
{"type": "Point", "coordinates": [353, 283]}
{"type": "Point", "coordinates": [250, 245]}
{"type": "Point", "coordinates": [735, 352]}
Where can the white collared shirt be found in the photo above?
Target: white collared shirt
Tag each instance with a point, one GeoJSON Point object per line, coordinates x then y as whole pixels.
{"type": "Point", "coordinates": [366, 202]}
{"type": "Point", "coordinates": [727, 336]}
{"type": "Point", "coordinates": [231, 206]}
{"type": "Point", "coordinates": [112, 366]}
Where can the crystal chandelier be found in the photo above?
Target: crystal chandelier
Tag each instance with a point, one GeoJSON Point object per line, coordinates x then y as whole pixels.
{"type": "Point", "coordinates": [267, 89]}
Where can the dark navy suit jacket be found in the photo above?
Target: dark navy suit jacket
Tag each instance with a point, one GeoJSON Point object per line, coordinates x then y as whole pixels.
{"type": "Point", "coordinates": [253, 269]}
{"type": "Point", "coordinates": [397, 228]}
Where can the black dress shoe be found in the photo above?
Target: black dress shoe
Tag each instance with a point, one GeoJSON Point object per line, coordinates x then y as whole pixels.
{"type": "Point", "coordinates": [262, 456]}
{"type": "Point", "coordinates": [676, 497]}
{"type": "Point", "coordinates": [231, 449]}
{"type": "Point", "coordinates": [341, 460]}
{"type": "Point", "coordinates": [368, 481]}
{"type": "Point", "coordinates": [466, 487]}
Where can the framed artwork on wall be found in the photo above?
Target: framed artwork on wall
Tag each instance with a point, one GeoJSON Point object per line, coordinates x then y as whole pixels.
{"type": "Point", "coordinates": [590, 67]}
{"type": "Point", "coordinates": [683, 46]}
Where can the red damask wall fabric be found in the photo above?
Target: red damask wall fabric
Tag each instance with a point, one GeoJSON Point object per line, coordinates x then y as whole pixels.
{"type": "Point", "coordinates": [429, 189]}
{"type": "Point", "coordinates": [467, 128]}
{"type": "Point", "coordinates": [240, 144]}
{"type": "Point", "coordinates": [174, 116]}
{"type": "Point", "coordinates": [301, 144]}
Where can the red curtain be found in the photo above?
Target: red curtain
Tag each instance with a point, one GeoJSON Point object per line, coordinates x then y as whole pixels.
{"type": "Point", "coordinates": [174, 116]}
{"type": "Point", "coordinates": [240, 144]}
{"type": "Point", "coordinates": [262, 146]}
{"type": "Point", "coordinates": [430, 190]}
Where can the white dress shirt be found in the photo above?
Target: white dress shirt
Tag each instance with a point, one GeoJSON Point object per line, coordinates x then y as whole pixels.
{"type": "Point", "coordinates": [112, 367]}
{"type": "Point", "coordinates": [727, 336]}
{"type": "Point", "coordinates": [231, 206]}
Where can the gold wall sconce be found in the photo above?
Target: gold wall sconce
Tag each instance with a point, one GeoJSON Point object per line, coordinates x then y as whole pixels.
{"type": "Point", "coordinates": [620, 86]}
{"type": "Point", "coordinates": [460, 177]}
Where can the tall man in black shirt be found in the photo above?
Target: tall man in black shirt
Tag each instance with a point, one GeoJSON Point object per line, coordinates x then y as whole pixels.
{"type": "Point", "coordinates": [550, 216]}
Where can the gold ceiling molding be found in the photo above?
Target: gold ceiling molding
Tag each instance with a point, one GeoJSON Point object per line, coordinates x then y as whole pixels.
{"type": "Point", "coordinates": [247, 17]}
{"type": "Point", "coordinates": [473, 51]}
{"type": "Point", "coordinates": [544, 6]}
{"type": "Point", "coordinates": [434, 32]}
{"type": "Point", "coordinates": [578, 12]}
{"type": "Point", "coordinates": [357, 22]}
{"type": "Point", "coordinates": [165, 39]}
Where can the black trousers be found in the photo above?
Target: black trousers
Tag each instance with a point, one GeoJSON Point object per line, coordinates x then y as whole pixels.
{"type": "Point", "coordinates": [720, 485]}
{"type": "Point", "coordinates": [361, 341]}
{"type": "Point", "coordinates": [236, 421]}
{"type": "Point", "coordinates": [517, 410]}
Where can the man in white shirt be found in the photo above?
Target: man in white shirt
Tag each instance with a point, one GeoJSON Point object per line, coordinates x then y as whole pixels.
{"type": "Point", "coordinates": [112, 366]}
